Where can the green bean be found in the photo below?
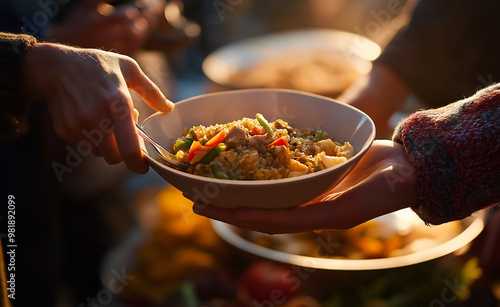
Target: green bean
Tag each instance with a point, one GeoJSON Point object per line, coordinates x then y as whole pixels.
{"type": "Point", "coordinates": [218, 173]}
{"type": "Point", "coordinates": [264, 123]}
{"type": "Point", "coordinates": [212, 154]}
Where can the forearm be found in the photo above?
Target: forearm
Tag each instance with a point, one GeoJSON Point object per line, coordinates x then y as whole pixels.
{"type": "Point", "coordinates": [13, 108]}
{"type": "Point", "coordinates": [379, 95]}
{"type": "Point", "coordinates": [456, 154]}
{"type": "Point", "coordinates": [446, 51]}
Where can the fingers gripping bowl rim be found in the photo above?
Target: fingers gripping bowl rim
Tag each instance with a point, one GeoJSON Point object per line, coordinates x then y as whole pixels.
{"type": "Point", "coordinates": [341, 121]}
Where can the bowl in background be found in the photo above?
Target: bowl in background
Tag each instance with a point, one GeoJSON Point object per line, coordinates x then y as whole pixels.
{"type": "Point", "coordinates": [318, 61]}
{"type": "Point", "coordinates": [301, 110]}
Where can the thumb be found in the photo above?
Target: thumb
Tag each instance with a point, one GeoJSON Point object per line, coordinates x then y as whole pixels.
{"type": "Point", "coordinates": [140, 83]}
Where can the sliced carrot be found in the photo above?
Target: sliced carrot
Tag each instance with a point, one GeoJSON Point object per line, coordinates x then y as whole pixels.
{"type": "Point", "coordinates": [197, 151]}
{"type": "Point", "coordinates": [213, 142]}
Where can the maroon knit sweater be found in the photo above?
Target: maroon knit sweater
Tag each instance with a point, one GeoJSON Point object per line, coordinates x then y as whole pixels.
{"type": "Point", "coordinates": [456, 154]}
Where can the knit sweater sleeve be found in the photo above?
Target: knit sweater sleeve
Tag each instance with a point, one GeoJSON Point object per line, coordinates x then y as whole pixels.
{"type": "Point", "coordinates": [13, 109]}
{"type": "Point", "coordinates": [455, 151]}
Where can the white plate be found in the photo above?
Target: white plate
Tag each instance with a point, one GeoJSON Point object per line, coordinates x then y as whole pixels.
{"type": "Point", "coordinates": [471, 228]}
{"type": "Point", "coordinates": [226, 62]}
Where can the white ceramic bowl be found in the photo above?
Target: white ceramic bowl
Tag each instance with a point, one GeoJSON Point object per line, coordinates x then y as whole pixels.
{"type": "Point", "coordinates": [300, 110]}
{"type": "Point", "coordinates": [228, 65]}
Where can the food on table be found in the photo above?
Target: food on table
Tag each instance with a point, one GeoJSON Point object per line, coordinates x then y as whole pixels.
{"type": "Point", "coordinates": [255, 149]}
{"type": "Point", "coordinates": [182, 249]}
{"type": "Point", "coordinates": [372, 239]}
{"type": "Point", "coordinates": [264, 281]}
{"type": "Point", "coordinates": [179, 245]}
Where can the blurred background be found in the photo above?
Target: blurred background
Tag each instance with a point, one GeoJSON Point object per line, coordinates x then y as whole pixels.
{"type": "Point", "coordinates": [106, 237]}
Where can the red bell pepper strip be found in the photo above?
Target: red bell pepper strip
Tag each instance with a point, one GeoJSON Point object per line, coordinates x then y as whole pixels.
{"type": "Point", "coordinates": [279, 142]}
{"type": "Point", "coordinates": [258, 131]}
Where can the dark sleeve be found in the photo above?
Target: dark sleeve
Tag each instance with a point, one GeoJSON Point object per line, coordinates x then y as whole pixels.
{"type": "Point", "coordinates": [456, 154]}
{"type": "Point", "coordinates": [13, 109]}
{"type": "Point", "coordinates": [447, 51]}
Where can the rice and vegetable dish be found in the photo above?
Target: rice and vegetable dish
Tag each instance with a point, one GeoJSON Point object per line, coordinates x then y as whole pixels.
{"type": "Point", "coordinates": [255, 149]}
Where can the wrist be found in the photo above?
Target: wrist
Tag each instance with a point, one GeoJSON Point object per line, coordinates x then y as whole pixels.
{"type": "Point", "coordinates": [400, 176]}
{"type": "Point", "coordinates": [37, 67]}
{"type": "Point", "coordinates": [408, 177]}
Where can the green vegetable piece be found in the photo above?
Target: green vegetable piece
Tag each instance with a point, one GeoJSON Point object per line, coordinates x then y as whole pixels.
{"type": "Point", "coordinates": [193, 134]}
{"type": "Point", "coordinates": [203, 140]}
{"type": "Point", "coordinates": [264, 123]}
{"type": "Point", "coordinates": [212, 154]}
{"type": "Point", "coordinates": [232, 145]}
{"type": "Point", "coordinates": [183, 144]}
{"type": "Point", "coordinates": [178, 144]}
{"type": "Point", "coordinates": [218, 173]}
{"type": "Point", "coordinates": [319, 134]}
